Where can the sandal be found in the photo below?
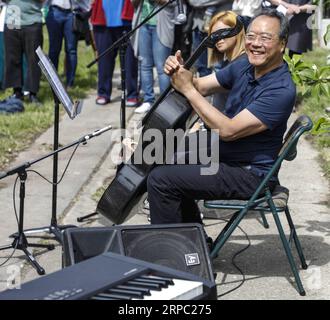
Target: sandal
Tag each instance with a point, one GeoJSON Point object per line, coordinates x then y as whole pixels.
{"type": "Point", "coordinates": [102, 101]}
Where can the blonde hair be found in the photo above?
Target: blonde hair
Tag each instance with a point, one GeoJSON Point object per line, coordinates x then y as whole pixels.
{"type": "Point", "coordinates": [228, 18]}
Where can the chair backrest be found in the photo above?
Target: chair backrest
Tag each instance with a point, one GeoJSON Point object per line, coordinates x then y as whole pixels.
{"type": "Point", "coordinates": [289, 148]}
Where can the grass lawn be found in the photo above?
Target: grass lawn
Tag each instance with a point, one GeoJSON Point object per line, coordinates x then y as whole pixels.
{"type": "Point", "coordinates": [17, 131]}
{"type": "Point", "coordinates": [316, 109]}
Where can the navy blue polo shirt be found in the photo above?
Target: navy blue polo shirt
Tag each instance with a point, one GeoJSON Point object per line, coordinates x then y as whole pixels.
{"type": "Point", "coordinates": [269, 98]}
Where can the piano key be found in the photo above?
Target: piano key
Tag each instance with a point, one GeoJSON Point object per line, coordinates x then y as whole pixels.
{"type": "Point", "coordinates": [102, 298]}
{"type": "Point", "coordinates": [160, 282]}
{"type": "Point", "coordinates": [126, 292]}
{"type": "Point", "coordinates": [113, 296]}
{"type": "Point", "coordinates": [168, 280]}
{"type": "Point", "coordinates": [181, 290]}
{"type": "Point", "coordinates": [153, 286]}
{"type": "Point", "coordinates": [145, 291]}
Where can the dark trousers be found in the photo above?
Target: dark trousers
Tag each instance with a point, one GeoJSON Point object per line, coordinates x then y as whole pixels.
{"type": "Point", "coordinates": [18, 42]}
{"type": "Point", "coordinates": [104, 38]}
{"type": "Point", "coordinates": [173, 189]}
{"type": "Point", "coordinates": [59, 24]}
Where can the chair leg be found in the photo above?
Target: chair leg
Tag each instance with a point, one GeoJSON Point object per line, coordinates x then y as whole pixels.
{"type": "Point", "coordinates": [288, 253]}
{"type": "Point", "coordinates": [296, 239]}
{"type": "Point", "coordinates": [264, 220]}
{"type": "Point", "coordinates": [227, 231]}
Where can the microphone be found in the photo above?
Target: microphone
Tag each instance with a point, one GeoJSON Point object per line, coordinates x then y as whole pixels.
{"type": "Point", "coordinates": [181, 18]}
{"type": "Point", "coordinates": [97, 133]}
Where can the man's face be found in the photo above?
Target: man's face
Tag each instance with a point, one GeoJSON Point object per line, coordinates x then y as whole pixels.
{"type": "Point", "coordinates": [262, 43]}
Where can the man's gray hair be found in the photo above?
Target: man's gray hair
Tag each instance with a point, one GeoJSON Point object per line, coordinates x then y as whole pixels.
{"type": "Point", "coordinates": [284, 22]}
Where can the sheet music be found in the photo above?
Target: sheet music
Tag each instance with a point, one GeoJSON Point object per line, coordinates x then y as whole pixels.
{"type": "Point", "coordinates": [48, 69]}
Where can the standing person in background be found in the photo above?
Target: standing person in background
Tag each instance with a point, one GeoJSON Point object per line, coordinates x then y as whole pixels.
{"type": "Point", "coordinates": [153, 45]}
{"type": "Point", "coordinates": [59, 23]}
{"type": "Point", "coordinates": [248, 8]}
{"type": "Point", "coordinates": [111, 19]}
{"type": "Point", "coordinates": [298, 11]}
{"type": "Point", "coordinates": [202, 12]}
{"type": "Point", "coordinates": [23, 35]}
{"type": "Point", "coordinates": [2, 26]}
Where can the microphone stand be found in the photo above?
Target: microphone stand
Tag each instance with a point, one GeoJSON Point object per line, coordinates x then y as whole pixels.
{"type": "Point", "coordinates": [53, 228]}
{"type": "Point", "coordinates": [20, 242]}
{"type": "Point", "coordinates": [122, 44]}
{"type": "Point", "coordinates": [122, 55]}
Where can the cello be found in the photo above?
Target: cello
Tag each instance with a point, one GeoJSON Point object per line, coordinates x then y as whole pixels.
{"type": "Point", "coordinates": [170, 111]}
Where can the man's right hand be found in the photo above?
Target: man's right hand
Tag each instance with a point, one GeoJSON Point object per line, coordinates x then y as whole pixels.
{"type": "Point", "coordinates": [173, 63]}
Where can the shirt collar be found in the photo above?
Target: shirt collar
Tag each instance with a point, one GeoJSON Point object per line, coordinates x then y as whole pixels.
{"type": "Point", "coordinates": [268, 76]}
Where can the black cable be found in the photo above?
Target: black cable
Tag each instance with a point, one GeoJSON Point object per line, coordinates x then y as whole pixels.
{"type": "Point", "coordinates": [14, 202]}
{"type": "Point", "coordinates": [15, 211]}
{"type": "Point", "coordinates": [14, 191]}
{"type": "Point", "coordinates": [12, 254]}
{"type": "Point", "coordinates": [233, 259]}
{"type": "Point", "coordinates": [66, 168]}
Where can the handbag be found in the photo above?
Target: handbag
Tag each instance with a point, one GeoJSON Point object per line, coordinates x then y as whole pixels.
{"type": "Point", "coordinates": [80, 24]}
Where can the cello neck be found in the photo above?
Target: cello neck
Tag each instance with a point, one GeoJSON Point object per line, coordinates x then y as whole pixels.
{"type": "Point", "coordinates": [189, 63]}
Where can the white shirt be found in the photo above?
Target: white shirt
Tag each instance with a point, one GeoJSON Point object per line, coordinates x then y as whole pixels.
{"type": "Point", "coordinates": [64, 4]}
{"type": "Point", "coordinates": [84, 5]}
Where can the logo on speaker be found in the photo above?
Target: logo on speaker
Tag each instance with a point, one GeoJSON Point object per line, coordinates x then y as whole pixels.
{"type": "Point", "coordinates": [192, 259]}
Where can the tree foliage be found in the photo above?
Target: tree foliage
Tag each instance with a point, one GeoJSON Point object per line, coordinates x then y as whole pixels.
{"type": "Point", "coordinates": [313, 81]}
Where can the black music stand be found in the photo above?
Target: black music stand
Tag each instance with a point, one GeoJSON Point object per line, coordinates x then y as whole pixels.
{"type": "Point", "coordinates": [73, 109]}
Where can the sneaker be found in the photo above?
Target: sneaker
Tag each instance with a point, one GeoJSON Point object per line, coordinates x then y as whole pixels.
{"type": "Point", "coordinates": [102, 101]}
{"type": "Point", "coordinates": [145, 107]}
{"type": "Point", "coordinates": [209, 243]}
{"type": "Point", "coordinates": [17, 96]}
{"type": "Point", "coordinates": [146, 204]}
{"type": "Point", "coordinates": [132, 102]}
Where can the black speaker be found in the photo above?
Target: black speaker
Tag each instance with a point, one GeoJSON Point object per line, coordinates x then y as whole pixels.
{"type": "Point", "coordinates": [178, 246]}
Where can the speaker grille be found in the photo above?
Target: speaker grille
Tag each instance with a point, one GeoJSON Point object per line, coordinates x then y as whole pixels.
{"type": "Point", "coordinates": [169, 248]}
{"type": "Point", "coordinates": [178, 246]}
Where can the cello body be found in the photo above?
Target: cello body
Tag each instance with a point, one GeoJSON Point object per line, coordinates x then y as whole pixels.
{"type": "Point", "coordinates": [130, 183]}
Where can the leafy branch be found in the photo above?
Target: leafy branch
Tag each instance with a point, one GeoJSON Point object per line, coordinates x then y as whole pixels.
{"type": "Point", "coordinates": [313, 81]}
{"type": "Point", "coordinates": [322, 126]}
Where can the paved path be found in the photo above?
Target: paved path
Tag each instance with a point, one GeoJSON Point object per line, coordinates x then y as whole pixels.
{"type": "Point", "coordinates": [264, 264]}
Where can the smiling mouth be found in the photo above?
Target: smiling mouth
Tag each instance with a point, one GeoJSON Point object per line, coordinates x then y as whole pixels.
{"type": "Point", "coordinates": [256, 53]}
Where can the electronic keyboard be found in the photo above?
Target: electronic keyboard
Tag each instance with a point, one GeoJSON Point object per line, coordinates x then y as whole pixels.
{"type": "Point", "coordinates": [112, 276]}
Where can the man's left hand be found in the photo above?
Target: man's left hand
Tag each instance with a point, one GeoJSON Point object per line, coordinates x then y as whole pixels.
{"type": "Point", "coordinates": [182, 80]}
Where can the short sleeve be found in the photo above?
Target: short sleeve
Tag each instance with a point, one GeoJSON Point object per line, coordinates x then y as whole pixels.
{"type": "Point", "coordinates": [227, 75]}
{"type": "Point", "coordinates": [273, 106]}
